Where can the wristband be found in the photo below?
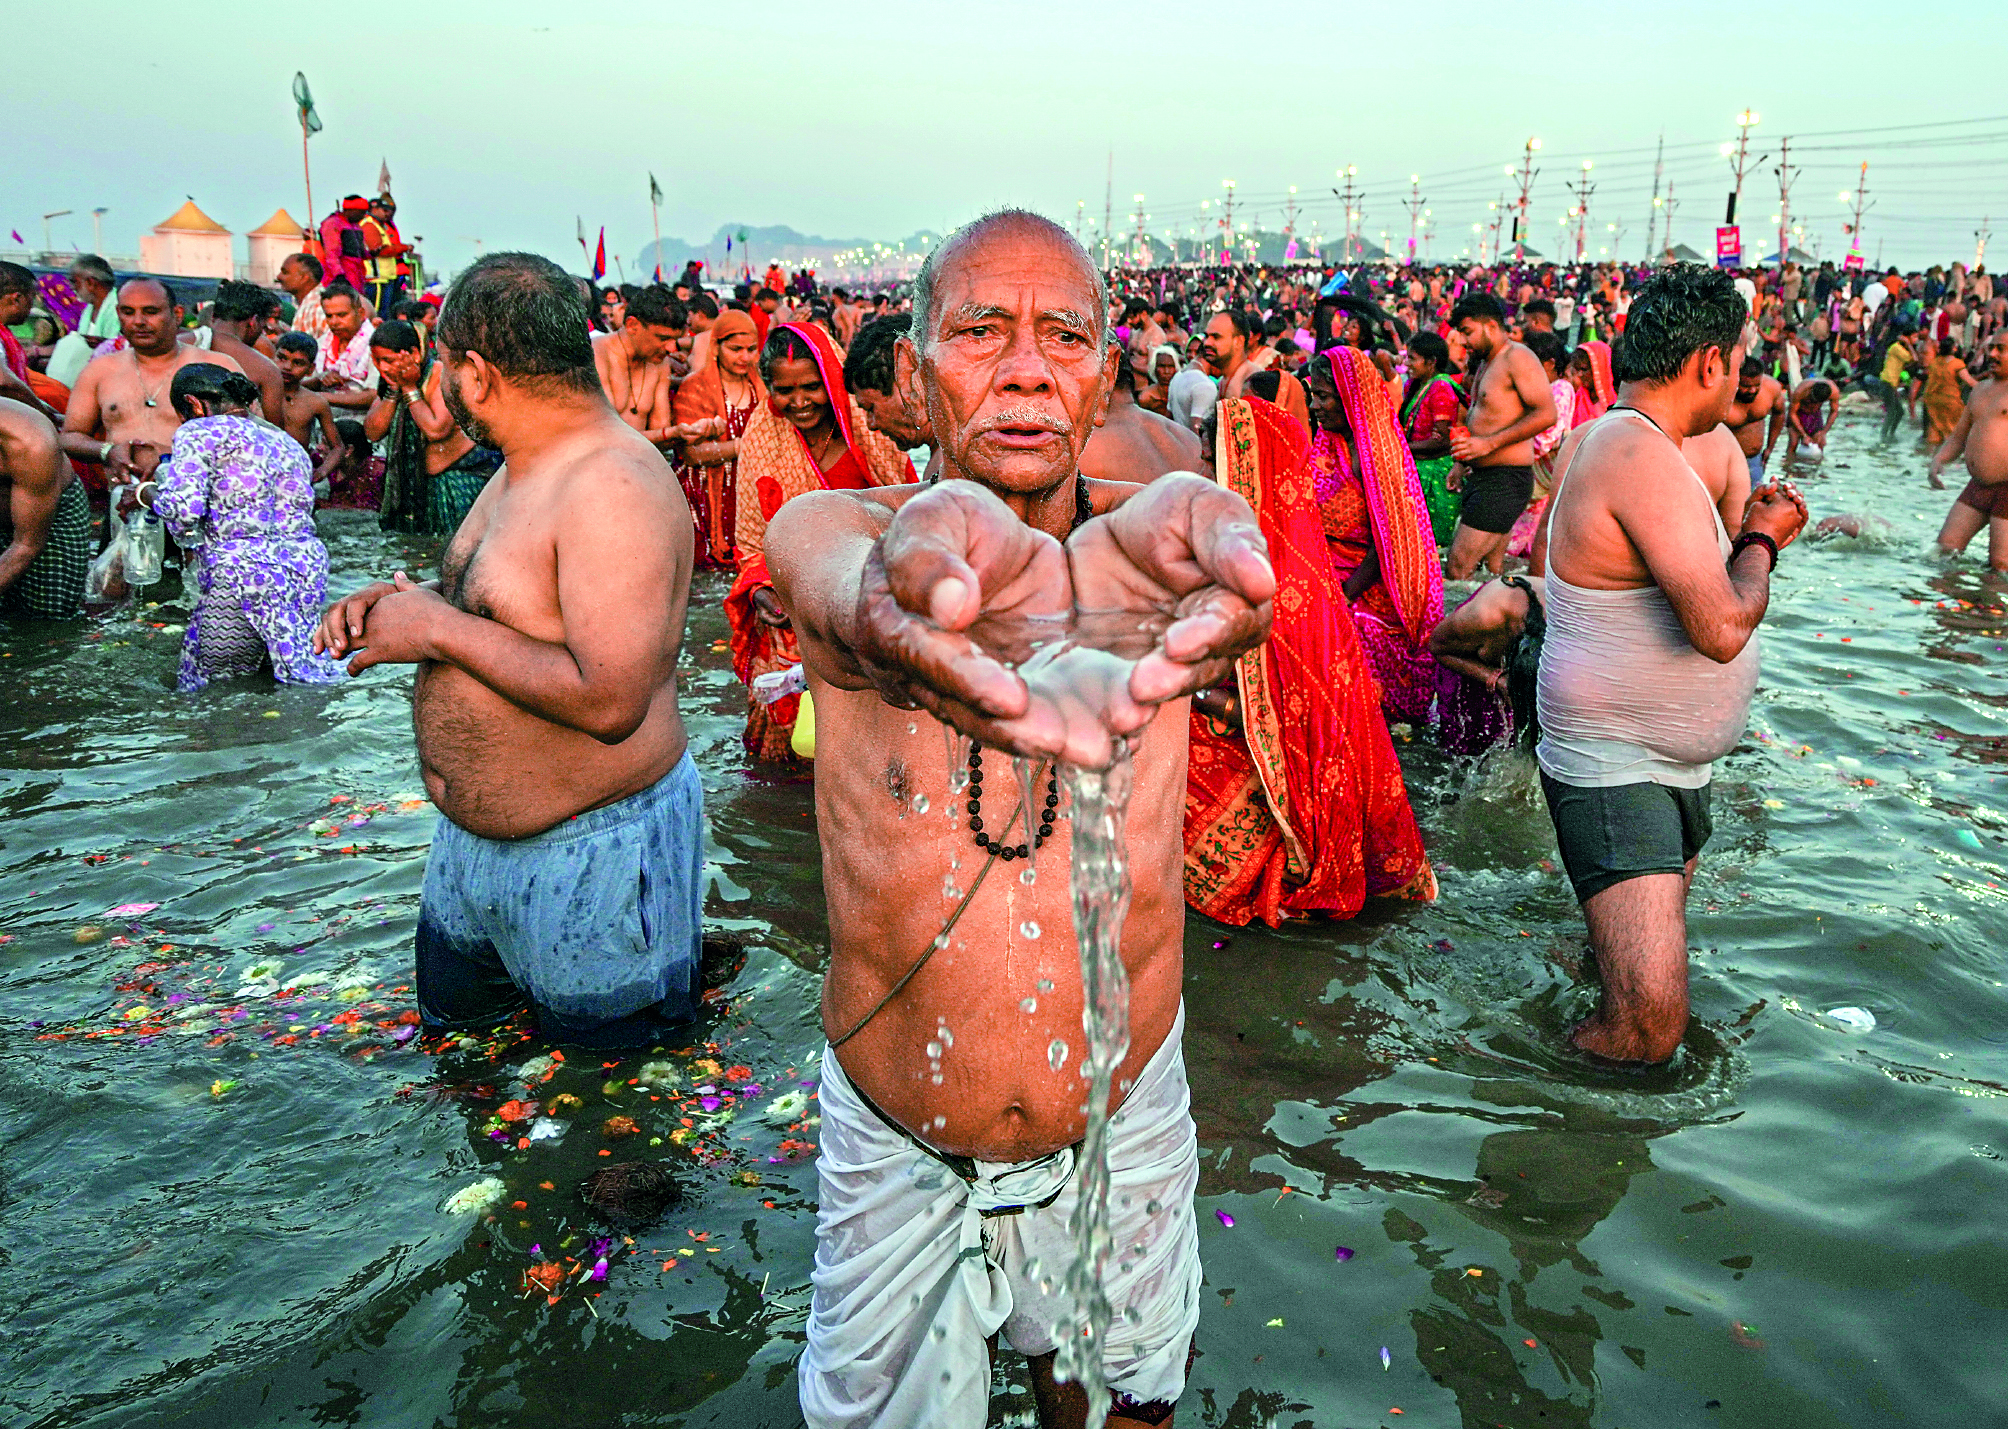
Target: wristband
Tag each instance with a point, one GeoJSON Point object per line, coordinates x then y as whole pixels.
{"type": "Point", "coordinates": [1754, 538]}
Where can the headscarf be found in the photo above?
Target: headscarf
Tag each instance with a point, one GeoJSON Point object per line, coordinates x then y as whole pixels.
{"type": "Point", "coordinates": [1314, 756]}
{"type": "Point", "coordinates": [1410, 572]}
{"type": "Point", "coordinates": [1602, 387]}
{"type": "Point", "coordinates": [703, 392]}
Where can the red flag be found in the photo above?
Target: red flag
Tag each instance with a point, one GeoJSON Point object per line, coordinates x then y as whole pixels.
{"type": "Point", "coordinates": [600, 256]}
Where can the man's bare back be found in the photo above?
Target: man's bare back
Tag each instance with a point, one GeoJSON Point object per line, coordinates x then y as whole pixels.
{"type": "Point", "coordinates": [259, 368]}
{"type": "Point", "coordinates": [1138, 446]}
{"type": "Point", "coordinates": [494, 768]}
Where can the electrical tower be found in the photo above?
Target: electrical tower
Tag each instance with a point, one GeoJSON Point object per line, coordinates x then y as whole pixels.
{"type": "Point", "coordinates": [1227, 224]}
{"type": "Point", "coordinates": [1584, 188]}
{"type": "Point", "coordinates": [1671, 205]}
{"type": "Point", "coordinates": [1108, 208]}
{"type": "Point", "coordinates": [1349, 197]}
{"type": "Point", "coordinates": [1414, 213]}
{"type": "Point", "coordinates": [1860, 199]}
{"type": "Point", "coordinates": [1527, 173]}
{"type": "Point", "coordinates": [1652, 219]}
{"type": "Point", "coordinates": [1498, 216]}
{"type": "Point", "coordinates": [1785, 176]}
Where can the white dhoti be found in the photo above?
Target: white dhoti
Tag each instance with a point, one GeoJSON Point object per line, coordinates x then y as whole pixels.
{"type": "Point", "coordinates": [918, 1264]}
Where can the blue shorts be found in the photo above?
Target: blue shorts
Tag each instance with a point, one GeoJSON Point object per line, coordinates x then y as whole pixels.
{"type": "Point", "coordinates": [1756, 464]}
{"type": "Point", "coordinates": [596, 925]}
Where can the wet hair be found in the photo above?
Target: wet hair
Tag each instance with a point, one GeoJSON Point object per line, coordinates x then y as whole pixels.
{"type": "Point", "coordinates": [1432, 349]}
{"type": "Point", "coordinates": [631, 1193]}
{"type": "Point", "coordinates": [923, 283]}
{"type": "Point", "coordinates": [214, 385]}
{"type": "Point", "coordinates": [15, 279]}
{"type": "Point", "coordinates": [656, 306]}
{"type": "Point", "coordinates": [166, 288]}
{"type": "Point", "coordinates": [395, 335]}
{"type": "Point", "coordinates": [525, 316]}
{"type": "Point", "coordinates": [1265, 384]}
{"type": "Point", "coordinates": [704, 303]}
{"type": "Point", "coordinates": [1751, 367]}
{"type": "Point", "coordinates": [309, 262]}
{"type": "Point", "coordinates": [89, 265]}
{"type": "Point", "coordinates": [1547, 347]}
{"type": "Point", "coordinates": [1682, 309]}
{"type": "Point", "coordinates": [411, 312]}
{"type": "Point", "coordinates": [1538, 305]}
{"type": "Point", "coordinates": [1482, 306]}
{"type": "Point", "coordinates": [783, 346]}
{"type": "Point", "coordinates": [868, 365]}
{"type": "Point", "coordinates": [299, 342]}
{"type": "Point", "coordinates": [352, 436]}
{"type": "Point", "coordinates": [240, 302]}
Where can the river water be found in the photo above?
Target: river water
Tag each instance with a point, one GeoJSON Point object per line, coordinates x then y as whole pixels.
{"type": "Point", "coordinates": [233, 1191]}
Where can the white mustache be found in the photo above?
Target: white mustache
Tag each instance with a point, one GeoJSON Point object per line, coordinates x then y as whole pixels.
{"type": "Point", "coordinates": [1028, 416]}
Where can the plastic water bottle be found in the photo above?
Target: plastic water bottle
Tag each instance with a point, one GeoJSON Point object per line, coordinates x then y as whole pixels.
{"type": "Point", "coordinates": [146, 546]}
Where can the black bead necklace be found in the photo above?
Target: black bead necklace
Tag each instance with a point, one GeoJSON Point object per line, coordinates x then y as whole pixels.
{"type": "Point", "coordinates": [1083, 511]}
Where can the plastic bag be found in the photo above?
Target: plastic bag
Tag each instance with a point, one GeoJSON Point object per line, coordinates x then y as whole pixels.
{"type": "Point", "coordinates": [106, 580]}
{"type": "Point", "coordinates": [146, 548]}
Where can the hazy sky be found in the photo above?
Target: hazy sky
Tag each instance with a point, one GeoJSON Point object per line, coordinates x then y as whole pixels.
{"type": "Point", "coordinates": [502, 121]}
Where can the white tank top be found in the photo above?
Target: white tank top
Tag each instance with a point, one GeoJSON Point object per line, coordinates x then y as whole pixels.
{"type": "Point", "coordinates": [1623, 695]}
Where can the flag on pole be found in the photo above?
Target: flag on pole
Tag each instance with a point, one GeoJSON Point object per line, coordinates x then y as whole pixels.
{"type": "Point", "coordinates": [658, 272]}
{"type": "Point", "coordinates": [383, 178]}
{"type": "Point", "coordinates": [600, 257]}
{"type": "Point", "coordinates": [654, 190]}
{"type": "Point", "coordinates": [19, 239]}
{"type": "Point", "coordinates": [582, 236]}
{"type": "Point", "coordinates": [310, 122]}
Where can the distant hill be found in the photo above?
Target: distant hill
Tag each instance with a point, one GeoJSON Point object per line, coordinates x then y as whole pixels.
{"type": "Point", "coordinates": [770, 243]}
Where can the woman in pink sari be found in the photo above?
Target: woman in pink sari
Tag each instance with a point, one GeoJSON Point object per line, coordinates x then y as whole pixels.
{"type": "Point", "coordinates": [1590, 374]}
{"type": "Point", "coordinates": [1376, 526]}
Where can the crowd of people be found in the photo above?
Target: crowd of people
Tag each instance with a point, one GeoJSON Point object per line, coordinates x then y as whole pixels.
{"type": "Point", "coordinates": [1279, 470]}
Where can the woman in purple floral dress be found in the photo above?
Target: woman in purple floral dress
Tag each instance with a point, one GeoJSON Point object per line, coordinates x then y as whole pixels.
{"type": "Point", "coordinates": [238, 495]}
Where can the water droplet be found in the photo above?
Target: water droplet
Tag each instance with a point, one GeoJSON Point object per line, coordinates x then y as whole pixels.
{"type": "Point", "coordinates": [912, 727]}
{"type": "Point", "coordinates": [940, 941]}
{"type": "Point", "coordinates": [1045, 984]}
{"type": "Point", "coordinates": [950, 889]}
{"type": "Point", "coordinates": [940, 1122]}
{"type": "Point", "coordinates": [1056, 1055]}
{"type": "Point", "coordinates": [1030, 1004]}
{"type": "Point", "coordinates": [947, 1037]}
{"type": "Point", "coordinates": [1028, 875]}
{"type": "Point", "coordinates": [1028, 929]}
{"type": "Point", "coordinates": [920, 804]}
{"type": "Point", "coordinates": [934, 1050]}
{"type": "Point", "coordinates": [936, 1079]}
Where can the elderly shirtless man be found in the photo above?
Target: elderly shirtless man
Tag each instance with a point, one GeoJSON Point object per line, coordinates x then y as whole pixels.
{"type": "Point", "coordinates": [1981, 436]}
{"type": "Point", "coordinates": [951, 1092]}
{"type": "Point", "coordinates": [566, 869]}
{"type": "Point", "coordinates": [119, 415]}
{"type": "Point", "coordinates": [1512, 406]}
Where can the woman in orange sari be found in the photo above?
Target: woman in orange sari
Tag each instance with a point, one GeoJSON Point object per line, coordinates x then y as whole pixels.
{"type": "Point", "coordinates": [1294, 802]}
{"type": "Point", "coordinates": [809, 435]}
{"type": "Point", "coordinates": [1383, 551]}
{"type": "Point", "coordinates": [725, 391]}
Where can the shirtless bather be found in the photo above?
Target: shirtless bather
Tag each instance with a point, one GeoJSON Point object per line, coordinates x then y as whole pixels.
{"type": "Point", "coordinates": [1511, 406]}
{"type": "Point", "coordinates": [1981, 436]}
{"type": "Point", "coordinates": [1756, 415]}
{"type": "Point", "coordinates": [566, 869]}
{"type": "Point", "coordinates": [952, 1102]}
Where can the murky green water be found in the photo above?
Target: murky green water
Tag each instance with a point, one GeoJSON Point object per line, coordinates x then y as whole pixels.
{"type": "Point", "coordinates": [230, 1208]}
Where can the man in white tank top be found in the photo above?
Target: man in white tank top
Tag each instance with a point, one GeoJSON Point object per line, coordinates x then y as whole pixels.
{"type": "Point", "coordinates": [1651, 652]}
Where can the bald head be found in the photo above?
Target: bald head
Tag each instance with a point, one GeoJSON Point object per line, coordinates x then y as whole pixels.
{"type": "Point", "coordinates": [976, 241]}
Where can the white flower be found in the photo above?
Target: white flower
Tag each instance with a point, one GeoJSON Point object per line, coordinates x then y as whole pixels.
{"type": "Point", "coordinates": [787, 1107]}
{"type": "Point", "coordinates": [474, 1199]}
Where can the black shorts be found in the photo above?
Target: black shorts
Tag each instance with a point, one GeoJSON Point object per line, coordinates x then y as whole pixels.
{"type": "Point", "coordinates": [1612, 833]}
{"type": "Point", "coordinates": [1494, 497]}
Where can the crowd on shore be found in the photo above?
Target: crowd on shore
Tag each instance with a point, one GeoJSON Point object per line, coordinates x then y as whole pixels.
{"type": "Point", "coordinates": [1281, 468]}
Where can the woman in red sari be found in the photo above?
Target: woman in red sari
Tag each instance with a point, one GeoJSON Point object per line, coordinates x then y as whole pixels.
{"type": "Point", "coordinates": [1590, 374]}
{"type": "Point", "coordinates": [809, 435]}
{"type": "Point", "coordinates": [1294, 802]}
{"type": "Point", "coordinates": [725, 391]}
{"type": "Point", "coordinates": [1377, 525]}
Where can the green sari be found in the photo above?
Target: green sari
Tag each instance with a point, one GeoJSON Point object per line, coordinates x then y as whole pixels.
{"type": "Point", "coordinates": [1433, 472]}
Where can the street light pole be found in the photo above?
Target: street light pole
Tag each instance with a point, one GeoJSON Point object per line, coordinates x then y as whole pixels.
{"type": "Point", "coordinates": [1527, 173]}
